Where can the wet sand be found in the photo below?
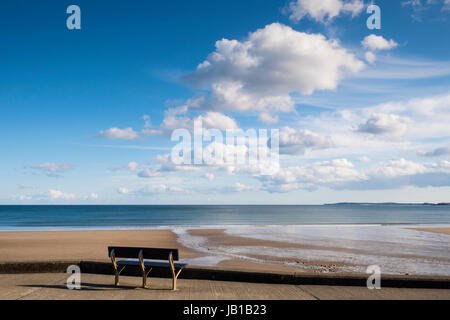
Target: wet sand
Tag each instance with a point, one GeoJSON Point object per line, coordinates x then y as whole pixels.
{"type": "Point", "coordinates": [217, 237]}
{"type": "Point", "coordinates": [434, 230]}
{"type": "Point", "coordinates": [332, 256]}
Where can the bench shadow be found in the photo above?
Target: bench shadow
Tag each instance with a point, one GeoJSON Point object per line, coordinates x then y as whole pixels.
{"type": "Point", "coordinates": [84, 286]}
{"type": "Point", "coordinates": [93, 287]}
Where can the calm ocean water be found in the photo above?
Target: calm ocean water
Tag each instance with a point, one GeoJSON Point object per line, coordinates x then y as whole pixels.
{"type": "Point", "coordinates": [104, 217]}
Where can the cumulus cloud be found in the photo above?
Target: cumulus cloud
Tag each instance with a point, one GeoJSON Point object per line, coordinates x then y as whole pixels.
{"type": "Point", "coordinates": [339, 136]}
{"type": "Point", "coordinates": [385, 124]}
{"type": "Point", "coordinates": [323, 10]}
{"type": "Point", "coordinates": [400, 167]}
{"type": "Point", "coordinates": [405, 126]}
{"type": "Point", "coordinates": [431, 115]}
{"type": "Point", "coordinates": [374, 43]}
{"type": "Point", "coordinates": [341, 174]}
{"type": "Point", "coordinates": [295, 142]}
{"type": "Point", "coordinates": [218, 121]}
{"type": "Point", "coordinates": [131, 134]}
{"type": "Point", "coordinates": [311, 176]}
{"type": "Point", "coordinates": [260, 73]}
{"type": "Point", "coordinates": [119, 134]}
{"type": "Point", "coordinates": [268, 118]}
{"type": "Point", "coordinates": [176, 118]}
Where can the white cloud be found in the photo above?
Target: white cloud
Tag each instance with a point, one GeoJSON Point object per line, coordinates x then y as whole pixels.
{"type": "Point", "coordinates": [21, 197]}
{"type": "Point", "coordinates": [93, 196]}
{"type": "Point", "coordinates": [148, 173]}
{"type": "Point", "coordinates": [167, 165]}
{"type": "Point", "coordinates": [399, 167]}
{"type": "Point", "coordinates": [374, 43]}
{"type": "Point", "coordinates": [295, 142]}
{"type": "Point", "coordinates": [175, 119]}
{"type": "Point", "coordinates": [385, 124]}
{"type": "Point", "coordinates": [431, 115]}
{"type": "Point", "coordinates": [323, 10]}
{"type": "Point", "coordinates": [123, 190]}
{"type": "Point", "coordinates": [242, 187]}
{"type": "Point", "coordinates": [59, 195]}
{"type": "Point", "coordinates": [313, 175]}
{"type": "Point", "coordinates": [218, 121]}
{"type": "Point", "coordinates": [268, 118]}
{"type": "Point", "coordinates": [260, 73]}
{"type": "Point", "coordinates": [53, 167]}
{"type": "Point", "coordinates": [370, 57]}
{"type": "Point", "coordinates": [119, 134]}
{"type": "Point", "coordinates": [395, 127]}
{"type": "Point", "coordinates": [340, 174]}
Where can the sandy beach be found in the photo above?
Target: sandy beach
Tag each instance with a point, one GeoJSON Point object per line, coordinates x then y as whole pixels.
{"type": "Point", "coordinates": [245, 249]}
{"type": "Point", "coordinates": [80, 245]}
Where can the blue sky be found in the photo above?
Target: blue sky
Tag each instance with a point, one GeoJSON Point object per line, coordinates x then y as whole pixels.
{"type": "Point", "coordinates": [363, 116]}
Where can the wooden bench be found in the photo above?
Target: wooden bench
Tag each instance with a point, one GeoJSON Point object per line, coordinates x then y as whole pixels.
{"type": "Point", "coordinates": [141, 257]}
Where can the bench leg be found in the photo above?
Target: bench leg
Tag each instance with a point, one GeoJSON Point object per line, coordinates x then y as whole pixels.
{"type": "Point", "coordinates": [116, 277]}
{"type": "Point", "coordinates": [174, 278]}
{"type": "Point", "coordinates": [144, 278]}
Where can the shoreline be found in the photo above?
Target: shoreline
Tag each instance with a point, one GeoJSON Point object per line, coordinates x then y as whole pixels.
{"type": "Point", "coordinates": [412, 226]}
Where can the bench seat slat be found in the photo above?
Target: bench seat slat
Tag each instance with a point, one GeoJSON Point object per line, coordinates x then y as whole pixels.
{"type": "Point", "coordinates": [151, 263]}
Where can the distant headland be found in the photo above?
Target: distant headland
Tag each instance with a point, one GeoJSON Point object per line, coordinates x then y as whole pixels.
{"type": "Point", "coordinates": [387, 204]}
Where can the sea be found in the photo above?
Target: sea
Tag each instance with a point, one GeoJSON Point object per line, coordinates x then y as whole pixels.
{"type": "Point", "coordinates": [80, 217]}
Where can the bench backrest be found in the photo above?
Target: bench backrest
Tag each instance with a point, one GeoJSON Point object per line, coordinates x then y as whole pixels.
{"type": "Point", "coordinates": [148, 253]}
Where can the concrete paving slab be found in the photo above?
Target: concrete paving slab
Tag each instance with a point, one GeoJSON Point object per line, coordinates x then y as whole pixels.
{"type": "Point", "coordinates": [361, 293]}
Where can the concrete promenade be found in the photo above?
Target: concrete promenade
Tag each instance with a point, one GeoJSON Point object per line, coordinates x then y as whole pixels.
{"type": "Point", "coordinates": [51, 286]}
